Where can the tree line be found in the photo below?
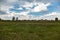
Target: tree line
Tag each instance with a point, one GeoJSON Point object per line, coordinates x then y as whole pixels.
{"type": "Point", "coordinates": [16, 19]}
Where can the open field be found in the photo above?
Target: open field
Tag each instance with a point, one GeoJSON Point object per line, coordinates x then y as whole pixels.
{"type": "Point", "coordinates": [29, 30]}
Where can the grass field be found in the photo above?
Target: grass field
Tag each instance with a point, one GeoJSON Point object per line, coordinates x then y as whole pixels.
{"type": "Point", "coordinates": [29, 30]}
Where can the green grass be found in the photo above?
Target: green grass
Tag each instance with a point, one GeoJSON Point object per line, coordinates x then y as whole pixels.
{"type": "Point", "coordinates": [30, 30]}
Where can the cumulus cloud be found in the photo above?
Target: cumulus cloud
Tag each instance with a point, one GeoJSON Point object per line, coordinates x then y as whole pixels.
{"type": "Point", "coordinates": [5, 8]}
{"type": "Point", "coordinates": [41, 7]}
{"type": "Point", "coordinates": [36, 6]}
{"type": "Point", "coordinates": [27, 6]}
{"type": "Point", "coordinates": [31, 6]}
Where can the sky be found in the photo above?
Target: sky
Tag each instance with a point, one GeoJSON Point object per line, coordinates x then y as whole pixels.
{"type": "Point", "coordinates": [30, 9]}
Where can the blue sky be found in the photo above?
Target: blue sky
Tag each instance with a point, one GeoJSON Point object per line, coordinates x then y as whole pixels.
{"type": "Point", "coordinates": [30, 9]}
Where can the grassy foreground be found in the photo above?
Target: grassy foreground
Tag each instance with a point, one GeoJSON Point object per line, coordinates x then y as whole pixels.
{"type": "Point", "coordinates": [29, 30]}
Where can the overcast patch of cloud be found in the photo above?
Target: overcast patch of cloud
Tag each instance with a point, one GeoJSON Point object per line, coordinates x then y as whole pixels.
{"type": "Point", "coordinates": [2, 12]}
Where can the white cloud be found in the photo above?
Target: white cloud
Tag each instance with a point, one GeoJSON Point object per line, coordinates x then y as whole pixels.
{"type": "Point", "coordinates": [51, 16]}
{"type": "Point", "coordinates": [11, 1]}
{"type": "Point", "coordinates": [48, 4]}
{"type": "Point", "coordinates": [20, 8]}
{"type": "Point", "coordinates": [24, 15]}
{"type": "Point", "coordinates": [27, 5]}
{"type": "Point", "coordinates": [21, 16]}
{"type": "Point", "coordinates": [41, 7]}
{"type": "Point", "coordinates": [5, 8]}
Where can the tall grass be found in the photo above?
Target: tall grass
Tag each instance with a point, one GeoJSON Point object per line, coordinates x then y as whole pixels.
{"type": "Point", "coordinates": [29, 30]}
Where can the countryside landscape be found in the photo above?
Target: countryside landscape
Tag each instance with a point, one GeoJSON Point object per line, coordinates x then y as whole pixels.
{"type": "Point", "coordinates": [29, 19]}
{"type": "Point", "coordinates": [30, 30]}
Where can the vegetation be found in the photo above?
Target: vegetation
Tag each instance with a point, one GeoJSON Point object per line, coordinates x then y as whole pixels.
{"type": "Point", "coordinates": [29, 30]}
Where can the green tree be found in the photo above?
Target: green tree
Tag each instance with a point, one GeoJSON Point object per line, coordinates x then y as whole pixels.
{"type": "Point", "coordinates": [56, 19]}
{"type": "Point", "coordinates": [13, 18]}
{"type": "Point", "coordinates": [16, 18]}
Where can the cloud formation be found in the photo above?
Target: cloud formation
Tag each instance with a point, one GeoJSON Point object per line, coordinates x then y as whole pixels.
{"type": "Point", "coordinates": [22, 8]}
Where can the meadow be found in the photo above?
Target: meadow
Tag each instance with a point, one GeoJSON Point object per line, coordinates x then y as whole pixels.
{"type": "Point", "coordinates": [29, 30]}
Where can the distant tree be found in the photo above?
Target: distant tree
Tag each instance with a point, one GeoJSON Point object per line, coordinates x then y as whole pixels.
{"type": "Point", "coordinates": [42, 19]}
{"type": "Point", "coordinates": [56, 19]}
{"type": "Point", "coordinates": [13, 18]}
{"type": "Point", "coordinates": [0, 19]}
{"type": "Point", "coordinates": [16, 18]}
